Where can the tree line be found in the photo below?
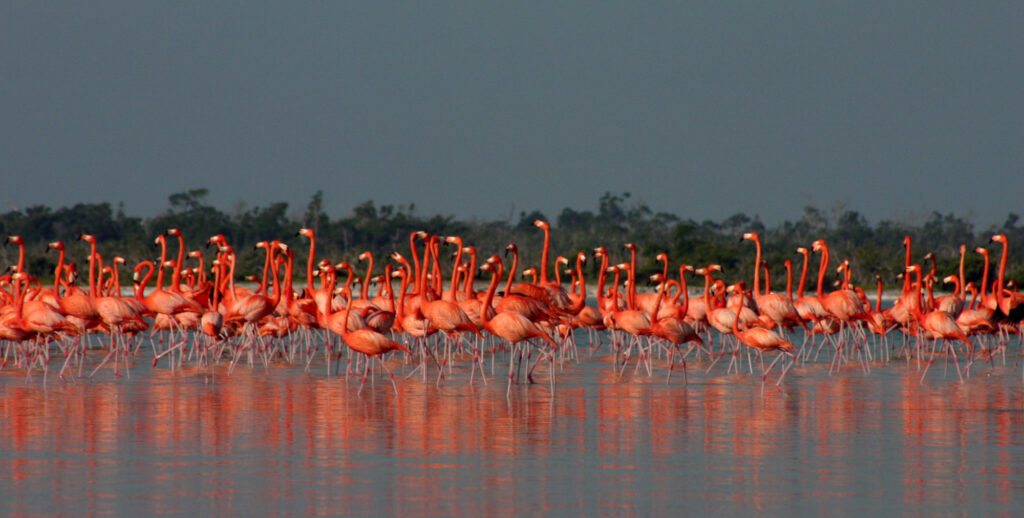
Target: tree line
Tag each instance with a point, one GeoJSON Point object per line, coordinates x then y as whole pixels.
{"type": "Point", "coordinates": [871, 248]}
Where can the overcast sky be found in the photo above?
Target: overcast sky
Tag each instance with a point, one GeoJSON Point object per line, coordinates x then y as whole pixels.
{"type": "Point", "coordinates": [482, 110]}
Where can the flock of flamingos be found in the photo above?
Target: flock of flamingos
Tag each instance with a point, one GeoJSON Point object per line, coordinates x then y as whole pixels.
{"type": "Point", "coordinates": [435, 320]}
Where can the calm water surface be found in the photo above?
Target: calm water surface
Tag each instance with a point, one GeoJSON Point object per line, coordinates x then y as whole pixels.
{"type": "Point", "coordinates": [281, 440]}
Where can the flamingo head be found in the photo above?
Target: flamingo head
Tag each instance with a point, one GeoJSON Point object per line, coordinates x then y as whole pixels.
{"type": "Point", "coordinates": [365, 255]}
{"type": "Point", "coordinates": [949, 279]}
{"type": "Point", "coordinates": [801, 250]}
{"type": "Point", "coordinates": [56, 245]}
{"type": "Point", "coordinates": [173, 232]}
{"type": "Point", "coordinates": [998, 238]}
{"type": "Point", "coordinates": [541, 224]}
{"type": "Point", "coordinates": [88, 238]}
{"type": "Point", "coordinates": [662, 257]}
{"type": "Point", "coordinates": [714, 267]}
{"type": "Point", "coordinates": [16, 240]}
{"type": "Point", "coordinates": [751, 236]}
{"type": "Point", "coordinates": [308, 232]}
{"type": "Point", "coordinates": [818, 245]}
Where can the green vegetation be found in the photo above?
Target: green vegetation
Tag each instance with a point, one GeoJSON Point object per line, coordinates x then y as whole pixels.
{"type": "Point", "coordinates": [871, 248]}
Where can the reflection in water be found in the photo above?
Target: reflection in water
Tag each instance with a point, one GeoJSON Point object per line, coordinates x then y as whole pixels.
{"type": "Point", "coordinates": [282, 440]}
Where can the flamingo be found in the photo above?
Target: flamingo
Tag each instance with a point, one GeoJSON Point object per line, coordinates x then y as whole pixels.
{"type": "Point", "coordinates": [763, 340]}
{"type": "Point", "coordinates": [778, 309]}
{"type": "Point", "coordinates": [366, 341]}
{"type": "Point", "coordinates": [511, 326]}
{"type": "Point", "coordinates": [1008, 304]}
{"type": "Point", "coordinates": [673, 329]}
{"type": "Point", "coordinates": [938, 325]}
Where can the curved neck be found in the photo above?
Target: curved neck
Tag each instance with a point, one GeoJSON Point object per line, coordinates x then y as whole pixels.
{"type": "Point", "coordinates": [286, 286]}
{"type": "Point", "coordinates": [878, 301]}
{"type": "Point", "coordinates": [803, 276]}
{"type": "Point", "coordinates": [485, 316]}
{"type": "Point", "coordinates": [707, 290]}
{"type": "Point", "coordinates": [176, 274]}
{"type": "Point", "coordinates": [231, 276]}
{"type": "Point", "coordinates": [140, 288]}
{"type": "Point", "coordinates": [266, 269]}
{"type": "Point", "coordinates": [1001, 277]}
{"type": "Point", "coordinates": [415, 272]}
{"type": "Point", "coordinates": [789, 280]}
{"type": "Point", "coordinates": [202, 271]}
{"type": "Point", "coordinates": [631, 293]}
{"type": "Point", "coordinates": [822, 267]}
{"type": "Point", "coordinates": [915, 306]}
{"type": "Point", "coordinates": [309, 263]}
{"type": "Point", "coordinates": [906, 263]}
{"type": "Point", "coordinates": [92, 268]}
{"type": "Point", "coordinates": [575, 308]}
{"type": "Point", "coordinates": [21, 259]}
{"type": "Point", "coordinates": [364, 291]}
{"type": "Point", "coordinates": [57, 271]}
{"type": "Point", "coordinates": [455, 269]}
{"type": "Point", "coordinates": [544, 255]}
{"type": "Point", "coordinates": [739, 307]}
{"type": "Point", "coordinates": [757, 267]}
{"type": "Point", "coordinates": [400, 308]}
{"type": "Point", "coordinates": [275, 264]}
{"type": "Point", "coordinates": [162, 239]}
{"type": "Point", "coordinates": [963, 250]}
{"type": "Point", "coordinates": [512, 271]}
{"type": "Point", "coordinates": [602, 275]}
{"type": "Point", "coordinates": [470, 276]}
{"type": "Point", "coordinates": [685, 291]}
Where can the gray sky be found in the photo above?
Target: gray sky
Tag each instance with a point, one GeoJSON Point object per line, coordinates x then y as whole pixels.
{"type": "Point", "coordinates": [482, 109]}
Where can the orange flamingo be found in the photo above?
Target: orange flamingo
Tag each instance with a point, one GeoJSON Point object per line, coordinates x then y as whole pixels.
{"type": "Point", "coordinates": [366, 341]}
{"type": "Point", "coordinates": [763, 340]}
{"type": "Point", "coordinates": [777, 308]}
{"type": "Point", "coordinates": [511, 326]}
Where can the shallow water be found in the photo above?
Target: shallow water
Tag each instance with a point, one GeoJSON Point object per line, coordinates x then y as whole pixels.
{"type": "Point", "coordinates": [281, 440]}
